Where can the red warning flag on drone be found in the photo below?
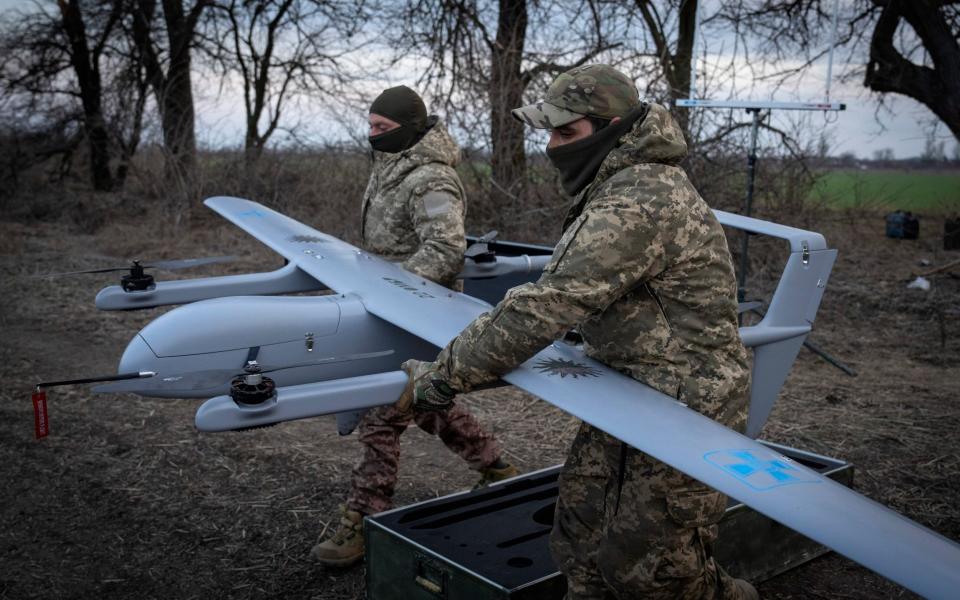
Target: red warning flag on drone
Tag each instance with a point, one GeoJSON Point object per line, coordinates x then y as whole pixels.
{"type": "Point", "coordinates": [40, 422]}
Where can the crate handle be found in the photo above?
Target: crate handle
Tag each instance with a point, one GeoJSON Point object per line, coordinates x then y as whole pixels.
{"type": "Point", "coordinates": [430, 576]}
{"type": "Point", "coordinates": [428, 585]}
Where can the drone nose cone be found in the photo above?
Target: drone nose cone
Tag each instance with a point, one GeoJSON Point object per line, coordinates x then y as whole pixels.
{"type": "Point", "coordinates": [138, 357]}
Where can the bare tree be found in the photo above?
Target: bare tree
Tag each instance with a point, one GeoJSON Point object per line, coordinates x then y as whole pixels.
{"type": "Point", "coordinates": [674, 52]}
{"type": "Point", "coordinates": [282, 50]}
{"type": "Point", "coordinates": [485, 55]}
{"type": "Point", "coordinates": [934, 150]}
{"type": "Point", "coordinates": [883, 155]}
{"type": "Point", "coordinates": [66, 68]}
{"type": "Point", "coordinates": [86, 64]}
{"type": "Point", "coordinates": [889, 70]}
{"type": "Point", "coordinates": [164, 42]}
{"type": "Point", "coordinates": [907, 47]}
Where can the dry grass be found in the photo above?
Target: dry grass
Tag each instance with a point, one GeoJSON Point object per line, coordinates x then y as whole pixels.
{"type": "Point", "coordinates": [126, 499]}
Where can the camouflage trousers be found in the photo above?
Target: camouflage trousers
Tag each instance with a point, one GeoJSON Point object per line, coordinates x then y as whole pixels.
{"type": "Point", "coordinates": [628, 526]}
{"type": "Point", "coordinates": [375, 477]}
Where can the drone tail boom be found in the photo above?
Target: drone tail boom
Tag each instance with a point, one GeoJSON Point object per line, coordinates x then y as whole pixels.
{"type": "Point", "coordinates": [222, 413]}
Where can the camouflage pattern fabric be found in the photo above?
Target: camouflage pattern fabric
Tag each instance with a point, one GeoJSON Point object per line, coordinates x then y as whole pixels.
{"type": "Point", "coordinates": [650, 536]}
{"type": "Point", "coordinates": [375, 478]}
{"type": "Point", "coordinates": [591, 90]}
{"type": "Point", "coordinates": [644, 272]}
{"type": "Point", "coordinates": [414, 206]}
{"type": "Point", "coordinates": [413, 212]}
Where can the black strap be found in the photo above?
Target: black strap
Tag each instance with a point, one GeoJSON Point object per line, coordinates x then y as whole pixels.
{"type": "Point", "coordinates": [621, 473]}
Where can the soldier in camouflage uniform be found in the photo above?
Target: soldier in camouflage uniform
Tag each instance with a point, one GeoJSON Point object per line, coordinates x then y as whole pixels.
{"type": "Point", "coordinates": [412, 213]}
{"type": "Point", "coordinates": [643, 271]}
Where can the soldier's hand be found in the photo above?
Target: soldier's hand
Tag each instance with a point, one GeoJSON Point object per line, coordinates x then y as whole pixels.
{"type": "Point", "coordinates": [425, 390]}
{"type": "Point", "coordinates": [405, 402]}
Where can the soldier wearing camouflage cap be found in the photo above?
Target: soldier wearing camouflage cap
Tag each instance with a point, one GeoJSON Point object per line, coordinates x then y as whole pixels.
{"type": "Point", "coordinates": [643, 272]}
{"type": "Point", "coordinates": [412, 212]}
{"type": "Point", "coordinates": [595, 91]}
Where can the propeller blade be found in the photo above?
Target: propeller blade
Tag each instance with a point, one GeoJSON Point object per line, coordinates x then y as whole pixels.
{"type": "Point", "coordinates": [166, 265]}
{"type": "Point", "coordinates": [106, 270]}
{"type": "Point", "coordinates": [188, 263]}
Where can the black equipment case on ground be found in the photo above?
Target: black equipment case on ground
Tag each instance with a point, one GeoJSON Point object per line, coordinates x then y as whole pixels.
{"type": "Point", "coordinates": [492, 543]}
{"type": "Point", "coordinates": [951, 234]}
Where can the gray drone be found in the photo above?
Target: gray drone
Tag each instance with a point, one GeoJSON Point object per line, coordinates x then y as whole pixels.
{"type": "Point", "coordinates": [262, 358]}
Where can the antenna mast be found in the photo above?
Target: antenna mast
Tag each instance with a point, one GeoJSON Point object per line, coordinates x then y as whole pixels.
{"type": "Point", "coordinates": [754, 107]}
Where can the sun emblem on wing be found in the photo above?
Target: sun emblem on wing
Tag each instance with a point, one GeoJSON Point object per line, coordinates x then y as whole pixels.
{"type": "Point", "coordinates": [562, 367]}
{"type": "Point", "coordinates": [307, 239]}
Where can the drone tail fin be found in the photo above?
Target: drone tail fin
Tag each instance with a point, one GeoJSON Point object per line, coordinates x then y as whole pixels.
{"type": "Point", "coordinates": [777, 338]}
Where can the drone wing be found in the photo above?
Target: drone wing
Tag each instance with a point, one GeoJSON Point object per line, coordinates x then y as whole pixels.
{"type": "Point", "coordinates": [387, 290]}
{"type": "Point", "coordinates": [761, 478]}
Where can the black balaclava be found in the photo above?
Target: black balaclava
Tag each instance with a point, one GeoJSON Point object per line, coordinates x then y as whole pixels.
{"type": "Point", "coordinates": [579, 161]}
{"type": "Point", "coordinates": [403, 105]}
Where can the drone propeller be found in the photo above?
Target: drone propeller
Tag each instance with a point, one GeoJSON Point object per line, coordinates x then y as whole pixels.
{"type": "Point", "coordinates": [480, 250]}
{"type": "Point", "coordinates": [211, 378]}
{"type": "Point", "coordinates": [166, 265]}
{"type": "Point", "coordinates": [188, 263]}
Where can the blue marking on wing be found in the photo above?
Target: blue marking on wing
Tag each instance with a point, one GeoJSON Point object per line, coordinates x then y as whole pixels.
{"type": "Point", "coordinates": [759, 469]}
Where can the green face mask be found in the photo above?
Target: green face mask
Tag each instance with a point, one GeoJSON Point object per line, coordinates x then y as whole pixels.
{"type": "Point", "coordinates": [395, 140]}
{"type": "Point", "coordinates": [579, 161]}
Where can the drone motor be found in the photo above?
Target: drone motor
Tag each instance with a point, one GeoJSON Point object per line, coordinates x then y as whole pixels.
{"type": "Point", "coordinates": [137, 280]}
{"type": "Point", "coordinates": [252, 388]}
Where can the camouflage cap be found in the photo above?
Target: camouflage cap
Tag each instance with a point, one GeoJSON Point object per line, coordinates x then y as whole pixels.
{"type": "Point", "coordinates": [591, 90]}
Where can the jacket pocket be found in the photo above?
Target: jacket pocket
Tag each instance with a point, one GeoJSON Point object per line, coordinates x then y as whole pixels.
{"type": "Point", "coordinates": [699, 507]}
{"type": "Point", "coordinates": [655, 296]}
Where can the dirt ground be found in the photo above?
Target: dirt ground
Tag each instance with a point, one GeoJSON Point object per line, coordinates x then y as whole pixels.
{"type": "Point", "coordinates": [126, 500]}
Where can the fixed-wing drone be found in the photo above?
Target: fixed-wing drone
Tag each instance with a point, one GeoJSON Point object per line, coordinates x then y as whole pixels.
{"type": "Point", "coordinates": [340, 353]}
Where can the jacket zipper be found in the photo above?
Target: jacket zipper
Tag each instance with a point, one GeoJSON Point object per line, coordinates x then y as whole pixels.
{"type": "Point", "coordinates": [366, 204]}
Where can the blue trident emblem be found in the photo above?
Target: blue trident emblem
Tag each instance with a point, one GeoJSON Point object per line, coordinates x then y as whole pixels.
{"type": "Point", "coordinates": [760, 469]}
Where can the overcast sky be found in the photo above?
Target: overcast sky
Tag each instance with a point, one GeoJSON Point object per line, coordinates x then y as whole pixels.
{"type": "Point", "coordinates": [861, 129]}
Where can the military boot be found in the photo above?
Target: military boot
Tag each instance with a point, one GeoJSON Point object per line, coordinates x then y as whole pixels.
{"type": "Point", "coordinates": [345, 546]}
{"type": "Point", "coordinates": [498, 471]}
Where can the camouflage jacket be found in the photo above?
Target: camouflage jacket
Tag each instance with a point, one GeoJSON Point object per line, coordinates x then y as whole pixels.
{"type": "Point", "coordinates": [643, 269]}
{"type": "Point", "coordinates": [414, 206]}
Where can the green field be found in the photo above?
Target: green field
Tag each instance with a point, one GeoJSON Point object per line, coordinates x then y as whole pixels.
{"type": "Point", "coordinates": [889, 189]}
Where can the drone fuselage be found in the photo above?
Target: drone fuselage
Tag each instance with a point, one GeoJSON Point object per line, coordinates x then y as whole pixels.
{"type": "Point", "coordinates": [333, 331]}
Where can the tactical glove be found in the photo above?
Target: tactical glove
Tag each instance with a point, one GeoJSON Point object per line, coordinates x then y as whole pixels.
{"type": "Point", "coordinates": [425, 390]}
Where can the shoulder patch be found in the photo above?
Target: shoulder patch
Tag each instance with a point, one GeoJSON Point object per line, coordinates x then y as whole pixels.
{"type": "Point", "coordinates": [437, 203]}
